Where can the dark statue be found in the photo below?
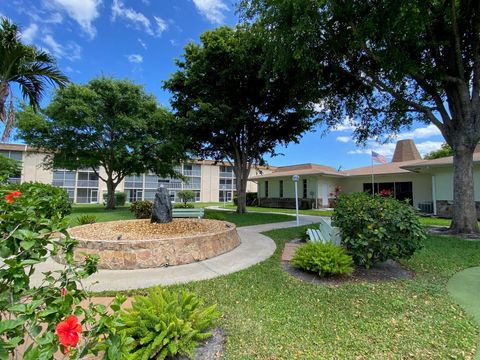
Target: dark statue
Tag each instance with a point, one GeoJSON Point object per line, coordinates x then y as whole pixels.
{"type": "Point", "coordinates": [162, 207]}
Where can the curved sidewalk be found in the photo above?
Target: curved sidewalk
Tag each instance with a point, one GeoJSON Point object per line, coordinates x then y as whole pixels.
{"type": "Point", "coordinates": [254, 248]}
{"type": "Point", "coordinates": [464, 287]}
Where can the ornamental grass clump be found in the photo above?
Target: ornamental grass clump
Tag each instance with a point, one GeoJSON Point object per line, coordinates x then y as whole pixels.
{"type": "Point", "coordinates": [323, 259]}
{"type": "Point", "coordinates": [375, 228]}
{"type": "Point", "coordinates": [142, 209]}
{"type": "Point", "coordinates": [164, 324]}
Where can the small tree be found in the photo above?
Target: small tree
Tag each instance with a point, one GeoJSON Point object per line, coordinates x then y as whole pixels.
{"type": "Point", "coordinates": [109, 123]}
{"type": "Point", "coordinates": [8, 168]}
{"type": "Point", "coordinates": [228, 108]}
{"type": "Point", "coordinates": [186, 195]}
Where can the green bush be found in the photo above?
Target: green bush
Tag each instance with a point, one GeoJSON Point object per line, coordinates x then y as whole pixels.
{"type": "Point", "coordinates": [183, 206]}
{"type": "Point", "coordinates": [86, 219]}
{"type": "Point", "coordinates": [324, 259]}
{"type": "Point", "coordinates": [54, 200]}
{"type": "Point", "coordinates": [252, 199]}
{"type": "Point", "coordinates": [164, 324]}
{"type": "Point", "coordinates": [375, 229]}
{"type": "Point", "coordinates": [120, 198]}
{"type": "Point", "coordinates": [186, 196]}
{"type": "Point", "coordinates": [142, 209]}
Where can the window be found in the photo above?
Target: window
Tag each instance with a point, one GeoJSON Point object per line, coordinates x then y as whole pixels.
{"type": "Point", "coordinates": [305, 185]}
{"type": "Point", "coordinates": [400, 190]}
{"type": "Point", "coordinates": [281, 188]}
{"type": "Point", "coordinates": [266, 189]}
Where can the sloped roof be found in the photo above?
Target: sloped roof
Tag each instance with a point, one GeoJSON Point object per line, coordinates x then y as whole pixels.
{"type": "Point", "coordinates": [382, 169]}
{"type": "Point", "coordinates": [301, 169]}
{"type": "Point", "coordinates": [440, 162]}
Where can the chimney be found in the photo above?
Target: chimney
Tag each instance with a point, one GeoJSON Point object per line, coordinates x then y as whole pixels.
{"type": "Point", "coordinates": [406, 151]}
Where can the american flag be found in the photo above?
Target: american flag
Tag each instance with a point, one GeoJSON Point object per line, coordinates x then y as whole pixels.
{"type": "Point", "coordinates": [378, 158]}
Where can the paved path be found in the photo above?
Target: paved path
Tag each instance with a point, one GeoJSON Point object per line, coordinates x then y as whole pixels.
{"type": "Point", "coordinates": [254, 248]}
{"type": "Point", "coordinates": [464, 287]}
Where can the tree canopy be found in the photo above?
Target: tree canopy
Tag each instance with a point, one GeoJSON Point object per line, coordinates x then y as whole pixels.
{"type": "Point", "coordinates": [31, 69]}
{"type": "Point", "coordinates": [109, 123]}
{"type": "Point", "coordinates": [444, 151]}
{"type": "Point", "coordinates": [385, 64]}
{"type": "Point", "coordinates": [8, 168]}
{"type": "Point", "coordinates": [229, 108]}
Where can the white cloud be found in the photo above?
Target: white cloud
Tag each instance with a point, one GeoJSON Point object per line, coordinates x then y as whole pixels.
{"type": "Point", "coordinates": [142, 43]}
{"type": "Point", "coordinates": [139, 20]}
{"type": "Point", "coordinates": [71, 51]}
{"type": "Point", "coordinates": [30, 33]}
{"type": "Point", "coordinates": [84, 12]}
{"type": "Point", "coordinates": [387, 150]}
{"type": "Point", "coordinates": [135, 58]}
{"type": "Point", "coordinates": [161, 24]}
{"type": "Point", "coordinates": [344, 139]}
{"type": "Point", "coordinates": [421, 133]}
{"type": "Point", "coordinates": [346, 125]}
{"type": "Point", "coordinates": [212, 10]}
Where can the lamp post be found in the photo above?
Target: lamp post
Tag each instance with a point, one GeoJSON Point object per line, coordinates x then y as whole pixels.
{"type": "Point", "coordinates": [295, 179]}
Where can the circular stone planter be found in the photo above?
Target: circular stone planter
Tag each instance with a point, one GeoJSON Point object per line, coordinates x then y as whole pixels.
{"type": "Point", "coordinates": [196, 240]}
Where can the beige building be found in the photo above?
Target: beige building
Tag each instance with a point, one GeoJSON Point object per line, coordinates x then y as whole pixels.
{"type": "Point", "coordinates": [318, 184]}
{"type": "Point", "coordinates": [212, 182]}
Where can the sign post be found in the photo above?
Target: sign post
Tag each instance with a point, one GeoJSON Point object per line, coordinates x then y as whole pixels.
{"type": "Point", "coordinates": [295, 179]}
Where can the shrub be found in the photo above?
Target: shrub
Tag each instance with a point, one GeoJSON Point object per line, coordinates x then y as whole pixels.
{"type": "Point", "coordinates": [183, 206]}
{"type": "Point", "coordinates": [164, 324]}
{"type": "Point", "coordinates": [375, 229]}
{"type": "Point", "coordinates": [31, 219]}
{"type": "Point", "coordinates": [86, 219]}
{"type": "Point", "coordinates": [120, 198]}
{"type": "Point", "coordinates": [186, 196]}
{"type": "Point", "coordinates": [324, 259]}
{"type": "Point", "coordinates": [142, 209]}
{"type": "Point", "coordinates": [251, 199]}
{"type": "Point", "coordinates": [52, 200]}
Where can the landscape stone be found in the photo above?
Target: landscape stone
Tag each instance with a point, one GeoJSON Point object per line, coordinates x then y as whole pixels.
{"type": "Point", "coordinates": [162, 207]}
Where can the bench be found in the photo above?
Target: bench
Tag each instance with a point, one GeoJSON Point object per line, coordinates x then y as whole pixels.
{"type": "Point", "coordinates": [188, 213]}
{"type": "Point", "coordinates": [325, 233]}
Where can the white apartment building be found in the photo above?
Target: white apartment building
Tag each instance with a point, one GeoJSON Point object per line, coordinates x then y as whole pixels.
{"type": "Point", "coordinates": [210, 181]}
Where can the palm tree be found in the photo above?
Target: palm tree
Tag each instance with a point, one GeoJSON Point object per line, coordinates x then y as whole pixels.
{"type": "Point", "coordinates": [32, 69]}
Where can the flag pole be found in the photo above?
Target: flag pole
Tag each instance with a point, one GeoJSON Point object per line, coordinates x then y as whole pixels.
{"type": "Point", "coordinates": [373, 181]}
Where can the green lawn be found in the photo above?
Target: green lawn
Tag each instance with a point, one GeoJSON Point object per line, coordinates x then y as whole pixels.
{"type": "Point", "coordinates": [271, 315]}
{"type": "Point", "coordinates": [123, 213]}
{"type": "Point", "coordinates": [285, 211]}
{"type": "Point", "coordinates": [268, 314]}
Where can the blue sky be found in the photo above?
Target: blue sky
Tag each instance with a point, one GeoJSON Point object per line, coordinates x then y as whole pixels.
{"type": "Point", "coordinates": [139, 40]}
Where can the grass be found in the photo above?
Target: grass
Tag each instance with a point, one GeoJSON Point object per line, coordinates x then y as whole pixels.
{"type": "Point", "coordinates": [285, 211]}
{"type": "Point", "coordinates": [268, 314]}
{"type": "Point", "coordinates": [123, 213]}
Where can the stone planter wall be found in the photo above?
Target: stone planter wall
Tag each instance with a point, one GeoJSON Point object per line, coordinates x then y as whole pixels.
{"type": "Point", "coordinates": [141, 254]}
{"type": "Point", "coordinates": [445, 208]}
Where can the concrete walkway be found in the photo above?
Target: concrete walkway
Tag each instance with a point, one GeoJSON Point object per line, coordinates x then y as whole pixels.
{"type": "Point", "coordinates": [464, 287]}
{"type": "Point", "coordinates": [254, 248]}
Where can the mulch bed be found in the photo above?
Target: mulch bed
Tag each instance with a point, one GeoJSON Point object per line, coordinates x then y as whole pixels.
{"type": "Point", "coordinates": [387, 271]}
{"type": "Point", "coordinates": [144, 230]}
{"type": "Point", "coordinates": [211, 349]}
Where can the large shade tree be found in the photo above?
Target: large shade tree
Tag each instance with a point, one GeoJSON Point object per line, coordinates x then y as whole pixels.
{"type": "Point", "coordinates": [228, 108]}
{"type": "Point", "coordinates": [387, 63]}
{"type": "Point", "coordinates": [105, 123]}
{"type": "Point", "coordinates": [26, 66]}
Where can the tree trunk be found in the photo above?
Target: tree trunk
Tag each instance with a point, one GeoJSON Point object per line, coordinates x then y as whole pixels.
{"type": "Point", "coordinates": [110, 205]}
{"type": "Point", "coordinates": [464, 220]}
{"type": "Point", "coordinates": [241, 177]}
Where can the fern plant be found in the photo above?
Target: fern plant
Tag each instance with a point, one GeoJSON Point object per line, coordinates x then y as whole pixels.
{"type": "Point", "coordinates": [324, 259]}
{"type": "Point", "coordinates": [164, 324]}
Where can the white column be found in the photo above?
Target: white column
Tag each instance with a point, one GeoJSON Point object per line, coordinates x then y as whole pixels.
{"type": "Point", "coordinates": [434, 195]}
